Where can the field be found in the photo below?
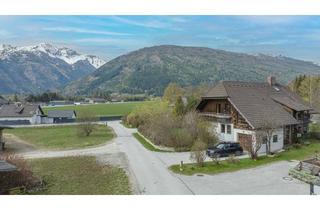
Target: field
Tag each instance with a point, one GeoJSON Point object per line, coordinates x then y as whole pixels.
{"type": "Point", "coordinates": [62, 137]}
{"type": "Point", "coordinates": [79, 176]}
{"type": "Point", "coordinates": [112, 109]}
{"type": "Point", "coordinates": [211, 168]}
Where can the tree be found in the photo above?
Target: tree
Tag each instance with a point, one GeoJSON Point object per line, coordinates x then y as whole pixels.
{"type": "Point", "coordinates": [179, 107]}
{"type": "Point", "coordinates": [192, 103]}
{"type": "Point", "coordinates": [15, 98]}
{"type": "Point", "coordinates": [266, 131]}
{"type": "Point", "coordinates": [252, 145]}
{"type": "Point", "coordinates": [172, 92]}
{"type": "Point", "coordinates": [198, 152]}
{"type": "Point", "coordinates": [86, 123]}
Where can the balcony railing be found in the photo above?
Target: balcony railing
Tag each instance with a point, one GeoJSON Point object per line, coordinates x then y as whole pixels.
{"type": "Point", "coordinates": [216, 115]}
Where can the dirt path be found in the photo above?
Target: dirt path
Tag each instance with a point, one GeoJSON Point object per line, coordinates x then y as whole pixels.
{"type": "Point", "coordinates": [17, 145]}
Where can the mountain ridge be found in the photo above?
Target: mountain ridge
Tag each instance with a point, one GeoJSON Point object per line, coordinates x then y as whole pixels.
{"type": "Point", "coordinates": [151, 69]}
{"type": "Point", "coordinates": [37, 68]}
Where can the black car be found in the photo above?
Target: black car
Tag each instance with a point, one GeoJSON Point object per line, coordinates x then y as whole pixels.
{"type": "Point", "coordinates": [224, 149]}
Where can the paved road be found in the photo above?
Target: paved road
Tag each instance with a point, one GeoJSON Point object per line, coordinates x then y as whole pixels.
{"type": "Point", "coordinates": [269, 179]}
{"type": "Point", "coordinates": [149, 172]}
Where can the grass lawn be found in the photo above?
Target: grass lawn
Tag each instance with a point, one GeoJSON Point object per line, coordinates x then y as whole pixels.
{"type": "Point", "coordinates": [113, 109]}
{"type": "Point", "coordinates": [62, 137]}
{"type": "Point", "coordinates": [315, 127]}
{"type": "Point", "coordinates": [79, 176]}
{"type": "Point", "coordinates": [211, 168]}
{"type": "Point", "coordinates": [146, 144]}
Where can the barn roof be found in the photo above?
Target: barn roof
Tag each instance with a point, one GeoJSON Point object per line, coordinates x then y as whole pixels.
{"type": "Point", "coordinates": [61, 113]}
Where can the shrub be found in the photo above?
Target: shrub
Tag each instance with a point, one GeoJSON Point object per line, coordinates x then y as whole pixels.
{"type": "Point", "coordinates": [232, 159]}
{"type": "Point", "coordinates": [198, 153]}
{"type": "Point", "coordinates": [159, 123]}
{"type": "Point", "coordinates": [216, 159]}
{"type": "Point", "coordinates": [181, 139]}
{"type": "Point", "coordinates": [22, 178]}
{"type": "Point", "coordinates": [296, 146]}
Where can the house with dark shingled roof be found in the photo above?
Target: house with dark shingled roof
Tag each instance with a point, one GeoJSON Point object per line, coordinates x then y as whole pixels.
{"type": "Point", "coordinates": [238, 109]}
{"type": "Point", "coordinates": [17, 114]}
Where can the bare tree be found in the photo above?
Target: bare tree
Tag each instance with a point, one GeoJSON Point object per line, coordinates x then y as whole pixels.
{"type": "Point", "coordinates": [266, 131]}
{"type": "Point", "coordinates": [252, 145]}
{"type": "Point", "coordinates": [86, 123]}
{"type": "Point", "coordinates": [198, 153]}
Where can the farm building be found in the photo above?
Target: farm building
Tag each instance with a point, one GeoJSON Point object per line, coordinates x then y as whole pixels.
{"type": "Point", "coordinates": [60, 116]}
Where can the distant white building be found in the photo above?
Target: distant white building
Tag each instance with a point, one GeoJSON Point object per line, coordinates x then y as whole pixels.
{"type": "Point", "coordinates": [60, 103]}
{"type": "Point", "coordinates": [95, 100]}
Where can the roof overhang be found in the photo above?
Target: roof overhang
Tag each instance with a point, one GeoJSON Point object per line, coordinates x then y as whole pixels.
{"type": "Point", "coordinates": [219, 97]}
{"type": "Point", "coordinates": [240, 113]}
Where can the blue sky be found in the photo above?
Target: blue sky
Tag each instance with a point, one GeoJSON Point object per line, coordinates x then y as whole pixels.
{"type": "Point", "coordinates": [111, 36]}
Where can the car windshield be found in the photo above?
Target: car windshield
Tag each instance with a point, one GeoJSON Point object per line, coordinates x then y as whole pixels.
{"type": "Point", "coordinates": [220, 146]}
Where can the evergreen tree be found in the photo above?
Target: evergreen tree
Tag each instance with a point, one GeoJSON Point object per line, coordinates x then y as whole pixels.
{"type": "Point", "coordinates": [179, 107]}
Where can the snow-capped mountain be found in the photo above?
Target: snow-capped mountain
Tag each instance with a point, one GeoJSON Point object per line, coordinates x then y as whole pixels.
{"type": "Point", "coordinates": [42, 67]}
{"type": "Point", "coordinates": [68, 55]}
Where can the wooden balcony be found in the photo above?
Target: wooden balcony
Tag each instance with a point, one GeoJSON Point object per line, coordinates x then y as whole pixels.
{"type": "Point", "coordinates": [216, 115]}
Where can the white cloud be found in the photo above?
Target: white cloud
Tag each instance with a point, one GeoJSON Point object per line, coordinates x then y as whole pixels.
{"type": "Point", "coordinates": [146, 24]}
{"type": "Point", "coordinates": [179, 19]}
{"type": "Point", "coordinates": [85, 31]}
{"type": "Point", "coordinates": [112, 41]}
{"type": "Point", "coordinates": [275, 42]}
{"type": "Point", "coordinates": [4, 33]}
{"type": "Point", "coordinates": [272, 19]}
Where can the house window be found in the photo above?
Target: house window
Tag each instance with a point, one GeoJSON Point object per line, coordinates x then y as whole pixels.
{"type": "Point", "coordinates": [223, 128]}
{"type": "Point", "coordinates": [275, 139]}
{"type": "Point", "coordinates": [229, 129]}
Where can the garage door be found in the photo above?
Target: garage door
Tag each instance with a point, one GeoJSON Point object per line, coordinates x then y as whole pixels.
{"type": "Point", "coordinates": [242, 136]}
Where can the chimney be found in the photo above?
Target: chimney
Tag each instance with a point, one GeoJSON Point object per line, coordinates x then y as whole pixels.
{"type": "Point", "coordinates": [271, 80]}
